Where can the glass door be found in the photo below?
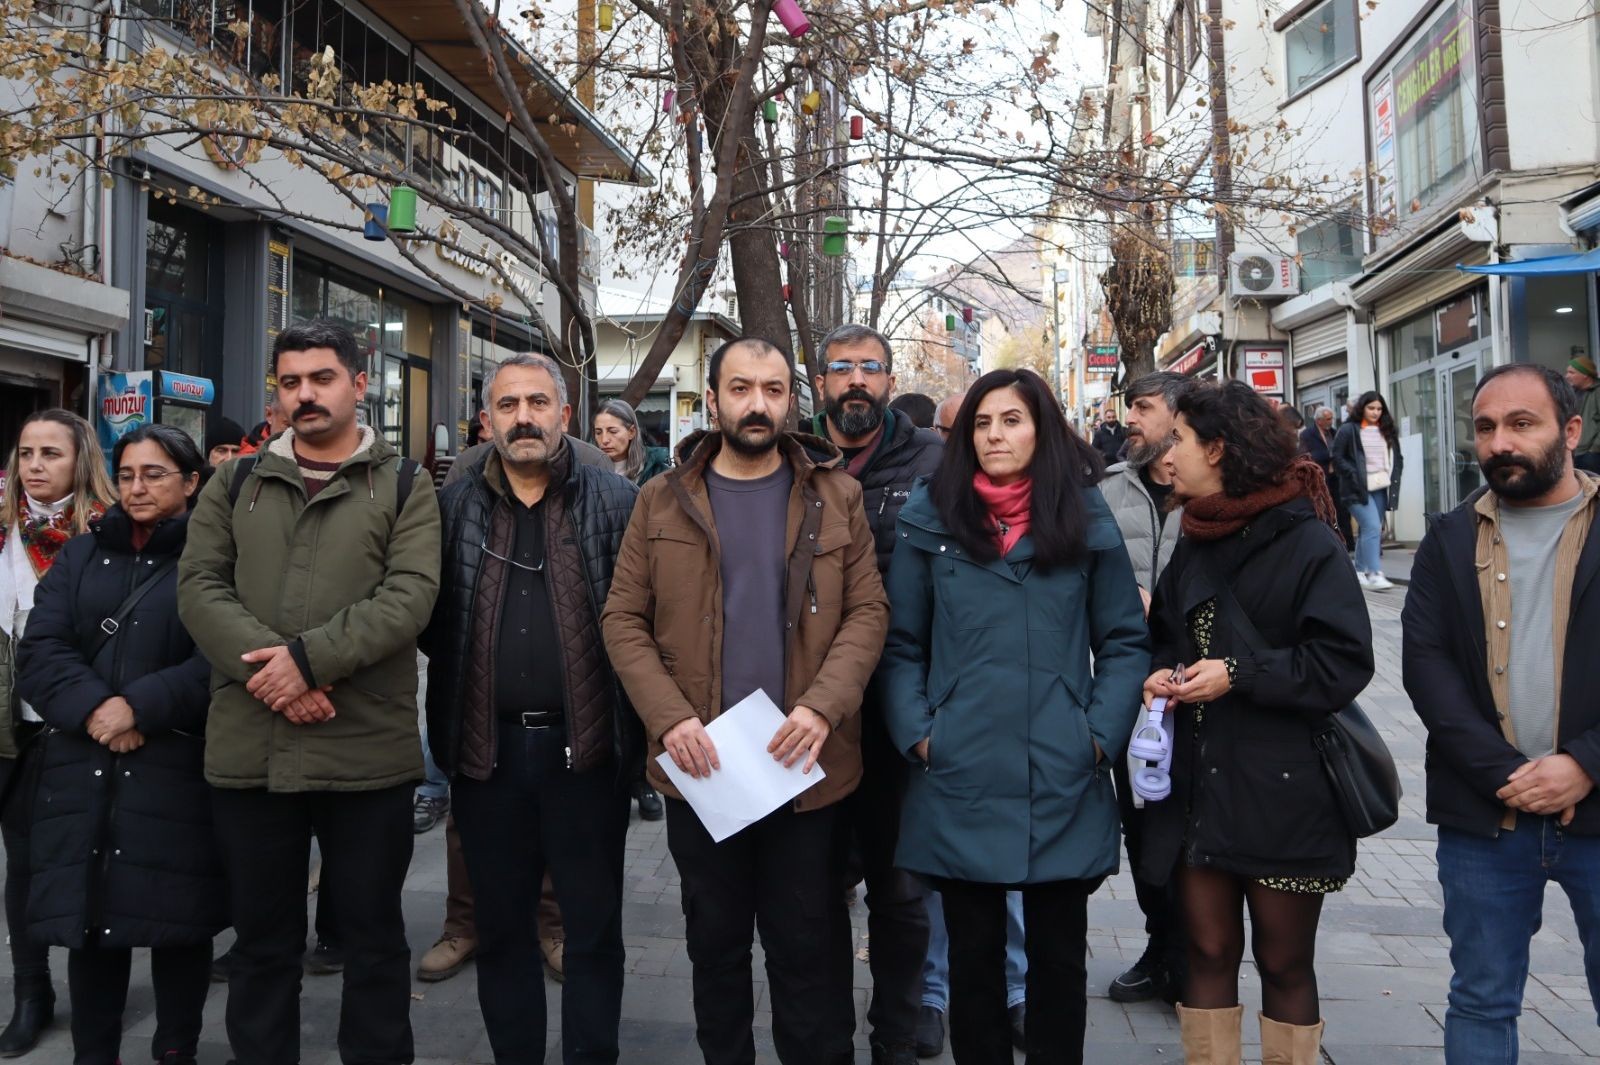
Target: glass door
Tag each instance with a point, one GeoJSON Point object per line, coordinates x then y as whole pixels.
{"type": "Point", "coordinates": [1416, 413]}
{"type": "Point", "coordinates": [1460, 450]}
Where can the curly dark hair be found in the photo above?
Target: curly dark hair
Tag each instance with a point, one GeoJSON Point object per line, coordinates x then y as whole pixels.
{"type": "Point", "coordinates": [1257, 446]}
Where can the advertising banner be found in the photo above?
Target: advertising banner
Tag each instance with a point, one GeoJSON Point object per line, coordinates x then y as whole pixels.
{"type": "Point", "coordinates": [127, 401]}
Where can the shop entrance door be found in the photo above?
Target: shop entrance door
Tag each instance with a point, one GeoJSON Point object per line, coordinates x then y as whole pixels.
{"type": "Point", "coordinates": [1432, 407]}
{"type": "Point", "coordinates": [17, 401]}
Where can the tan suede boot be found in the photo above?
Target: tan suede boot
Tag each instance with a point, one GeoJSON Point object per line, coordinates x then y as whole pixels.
{"type": "Point", "coordinates": [1210, 1037]}
{"type": "Point", "coordinates": [1290, 1044]}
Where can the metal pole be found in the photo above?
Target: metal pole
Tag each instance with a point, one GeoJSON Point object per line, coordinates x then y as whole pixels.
{"type": "Point", "coordinates": [1055, 322]}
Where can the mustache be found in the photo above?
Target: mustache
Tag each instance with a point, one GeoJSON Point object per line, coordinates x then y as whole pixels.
{"type": "Point", "coordinates": [524, 432]}
{"type": "Point", "coordinates": [308, 409]}
{"type": "Point", "coordinates": [860, 395]}
{"type": "Point", "coordinates": [1508, 462]}
{"type": "Point", "coordinates": [754, 420]}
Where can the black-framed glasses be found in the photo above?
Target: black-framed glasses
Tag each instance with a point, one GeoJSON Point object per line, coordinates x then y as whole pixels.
{"type": "Point", "coordinates": [870, 367]}
{"type": "Point", "coordinates": [486, 549]}
{"type": "Point", "coordinates": [151, 475]}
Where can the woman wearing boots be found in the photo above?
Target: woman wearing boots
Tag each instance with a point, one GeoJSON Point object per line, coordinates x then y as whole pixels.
{"type": "Point", "coordinates": [55, 485]}
{"type": "Point", "coordinates": [1009, 575]}
{"type": "Point", "coordinates": [123, 854]}
{"type": "Point", "coordinates": [1261, 615]}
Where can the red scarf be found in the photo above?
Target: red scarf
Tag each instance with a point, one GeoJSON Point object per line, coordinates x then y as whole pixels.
{"type": "Point", "coordinates": [1010, 508]}
{"type": "Point", "coordinates": [1216, 516]}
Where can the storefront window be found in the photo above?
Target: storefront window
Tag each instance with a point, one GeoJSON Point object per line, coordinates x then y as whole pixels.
{"type": "Point", "coordinates": [1557, 315]}
{"type": "Point", "coordinates": [1411, 343]}
{"type": "Point", "coordinates": [1329, 251]}
{"type": "Point", "coordinates": [1321, 41]}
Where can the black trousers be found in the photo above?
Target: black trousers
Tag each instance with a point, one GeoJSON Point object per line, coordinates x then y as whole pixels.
{"type": "Point", "coordinates": [265, 840]}
{"type": "Point", "coordinates": [531, 815]}
{"type": "Point", "coordinates": [778, 876]}
{"type": "Point", "coordinates": [1160, 904]}
{"type": "Point", "coordinates": [30, 960]}
{"type": "Point", "coordinates": [1055, 918]}
{"type": "Point", "coordinates": [98, 981]}
{"type": "Point", "coordinates": [897, 913]}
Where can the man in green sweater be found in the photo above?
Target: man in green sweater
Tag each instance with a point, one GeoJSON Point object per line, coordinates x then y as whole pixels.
{"type": "Point", "coordinates": [1581, 376]}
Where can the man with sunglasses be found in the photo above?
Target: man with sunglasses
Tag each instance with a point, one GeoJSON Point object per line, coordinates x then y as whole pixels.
{"type": "Point", "coordinates": [526, 717]}
{"type": "Point", "coordinates": [888, 455]}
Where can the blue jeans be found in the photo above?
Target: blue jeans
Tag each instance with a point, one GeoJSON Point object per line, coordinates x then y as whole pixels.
{"type": "Point", "coordinates": [1493, 904]}
{"type": "Point", "coordinates": [1369, 515]}
{"type": "Point", "coordinates": [435, 785]}
{"type": "Point", "coordinates": [936, 970]}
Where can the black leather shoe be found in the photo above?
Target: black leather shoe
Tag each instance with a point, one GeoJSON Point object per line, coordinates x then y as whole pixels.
{"type": "Point", "coordinates": [902, 1054]}
{"type": "Point", "coordinates": [1019, 1016]}
{"type": "Point", "coordinates": [930, 1032]}
{"type": "Point", "coordinates": [325, 959]}
{"type": "Point", "coordinates": [651, 807]}
{"type": "Point", "coordinates": [1143, 981]}
{"type": "Point", "coordinates": [34, 1013]}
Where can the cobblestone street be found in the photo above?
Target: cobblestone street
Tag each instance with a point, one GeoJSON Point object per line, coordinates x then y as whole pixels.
{"type": "Point", "coordinates": [1382, 954]}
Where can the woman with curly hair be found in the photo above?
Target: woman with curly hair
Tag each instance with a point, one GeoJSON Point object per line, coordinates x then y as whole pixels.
{"type": "Point", "coordinates": [1259, 631]}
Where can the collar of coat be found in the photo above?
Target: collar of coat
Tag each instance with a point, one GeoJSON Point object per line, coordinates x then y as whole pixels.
{"type": "Point", "coordinates": [921, 527]}
{"type": "Point", "coordinates": [493, 473]}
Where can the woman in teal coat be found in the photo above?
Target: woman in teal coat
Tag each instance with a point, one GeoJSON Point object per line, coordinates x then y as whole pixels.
{"type": "Point", "coordinates": [1009, 576]}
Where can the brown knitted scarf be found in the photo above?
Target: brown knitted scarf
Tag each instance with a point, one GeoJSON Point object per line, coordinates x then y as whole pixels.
{"type": "Point", "coordinates": [1218, 515]}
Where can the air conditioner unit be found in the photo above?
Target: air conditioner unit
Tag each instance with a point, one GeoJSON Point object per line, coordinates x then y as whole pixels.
{"type": "Point", "coordinates": [1262, 275]}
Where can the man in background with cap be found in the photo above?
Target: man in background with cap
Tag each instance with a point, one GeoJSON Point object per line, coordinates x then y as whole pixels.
{"type": "Point", "coordinates": [1581, 375]}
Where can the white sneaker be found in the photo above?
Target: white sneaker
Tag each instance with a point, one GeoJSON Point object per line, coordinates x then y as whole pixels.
{"type": "Point", "coordinates": [1362, 577]}
{"type": "Point", "coordinates": [1379, 583]}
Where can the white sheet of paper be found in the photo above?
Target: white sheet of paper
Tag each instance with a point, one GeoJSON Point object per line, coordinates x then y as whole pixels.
{"type": "Point", "coordinates": [751, 783]}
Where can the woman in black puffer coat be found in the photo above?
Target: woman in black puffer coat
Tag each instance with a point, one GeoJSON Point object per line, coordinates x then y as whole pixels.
{"type": "Point", "coordinates": [122, 852]}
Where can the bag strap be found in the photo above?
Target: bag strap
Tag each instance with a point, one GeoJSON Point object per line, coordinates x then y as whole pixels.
{"type": "Point", "coordinates": [246, 465]}
{"type": "Point", "coordinates": [402, 489]}
{"type": "Point", "coordinates": [242, 469]}
{"type": "Point", "coordinates": [110, 626]}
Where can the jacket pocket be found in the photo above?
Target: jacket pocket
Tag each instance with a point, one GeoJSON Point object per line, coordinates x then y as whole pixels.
{"type": "Point", "coordinates": [1281, 807]}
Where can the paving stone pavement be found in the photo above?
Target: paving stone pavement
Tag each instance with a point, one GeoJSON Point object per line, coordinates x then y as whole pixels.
{"type": "Point", "coordinates": [1382, 957]}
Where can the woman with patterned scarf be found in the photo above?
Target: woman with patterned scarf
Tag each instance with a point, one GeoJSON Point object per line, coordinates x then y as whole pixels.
{"type": "Point", "coordinates": [55, 485]}
{"type": "Point", "coordinates": [1259, 631]}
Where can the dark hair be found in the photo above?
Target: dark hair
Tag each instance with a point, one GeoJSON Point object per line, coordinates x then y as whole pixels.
{"type": "Point", "coordinates": [1385, 420]}
{"type": "Point", "coordinates": [1063, 465]}
{"type": "Point", "coordinates": [1562, 395]}
{"type": "Point", "coordinates": [1170, 386]}
{"type": "Point", "coordinates": [762, 346]}
{"type": "Point", "coordinates": [916, 406]}
{"type": "Point", "coordinates": [180, 448]}
{"type": "Point", "coordinates": [855, 334]}
{"type": "Point", "coordinates": [321, 333]}
{"type": "Point", "coordinates": [1292, 416]}
{"type": "Point", "coordinates": [1257, 446]}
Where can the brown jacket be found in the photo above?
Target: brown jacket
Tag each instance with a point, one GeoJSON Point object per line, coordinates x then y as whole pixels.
{"type": "Point", "coordinates": [663, 620]}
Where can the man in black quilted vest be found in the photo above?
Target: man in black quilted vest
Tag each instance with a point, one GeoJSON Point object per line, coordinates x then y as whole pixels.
{"type": "Point", "coordinates": [526, 718]}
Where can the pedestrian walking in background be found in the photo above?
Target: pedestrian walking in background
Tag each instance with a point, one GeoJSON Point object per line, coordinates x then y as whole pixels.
{"type": "Point", "coordinates": [1499, 627]}
{"type": "Point", "coordinates": [55, 487]}
{"type": "Point", "coordinates": [1367, 462]}
{"type": "Point", "coordinates": [917, 407]}
{"type": "Point", "coordinates": [1316, 441]}
{"type": "Point", "coordinates": [945, 414]}
{"type": "Point", "coordinates": [1268, 628]}
{"type": "Point", "coordinates": [224, 440]}
{"type": "Point", "coordinates": [888, 454]}
{"type": "Point", "coordinates": [1139, 493]}
{"type": "Point", "coordinates": [749, 566]}
{"type": "Point", "coordinates": [1583, 377]}
{"type": "Point", "coordinates": [526, 717]}
{"type": "Point", "coordinates": [1013, 732]}
{"type": "Point", "coordinates": [306, 580]}
{"type": "Point", "coordinates": [1109, 435]}
{"type": "Point", "coordinates": [121, 843]}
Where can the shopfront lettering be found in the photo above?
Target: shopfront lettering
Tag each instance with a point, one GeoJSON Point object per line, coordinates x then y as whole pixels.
{"type": "Point", "coordinates": [503, 268]}
{"type": "Point", "coordinates": [1437, 68]}
{"type": "Point", "coordinates": [124, 405]}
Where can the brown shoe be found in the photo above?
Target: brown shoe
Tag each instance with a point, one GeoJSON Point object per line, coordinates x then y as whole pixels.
{"type": "Point", "coordinates": [554, 950]}
{"type": "Point", "coordinates": [445, 958]}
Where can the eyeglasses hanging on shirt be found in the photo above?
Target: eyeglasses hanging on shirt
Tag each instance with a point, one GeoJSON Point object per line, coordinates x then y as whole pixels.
{"type": "Point", "coordinates": [486, 549]}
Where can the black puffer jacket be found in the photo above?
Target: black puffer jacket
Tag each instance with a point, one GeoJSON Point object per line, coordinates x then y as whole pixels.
{"type": "Point", "coordinates": [1249, 794]}
{"type": "Point", "coordinates": [904, 456]}
{"type": "Point", "coordinates": [121, 851]}
{"type": "Point", "coordinates": [599, 504]}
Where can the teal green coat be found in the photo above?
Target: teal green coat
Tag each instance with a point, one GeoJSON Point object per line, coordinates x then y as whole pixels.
{"type": "Point", "coordinates": [991, 662]}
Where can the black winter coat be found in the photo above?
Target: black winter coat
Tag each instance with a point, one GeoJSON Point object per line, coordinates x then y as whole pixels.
{"type": "Point", "coordinates": [1109, 441]}
{"type": "Point", "coordinates": [1349, 457]}
{"type": "Point", "coordinates": [908, 455]}
{"type": "Point", "coordinates": [1447, 677]}
{"type": "Point", "coordinates": [121, 850]}
{"type": "Point", "coordinates": [599, 504]}
{"type": "Point", "coordinates": [1249, 794]}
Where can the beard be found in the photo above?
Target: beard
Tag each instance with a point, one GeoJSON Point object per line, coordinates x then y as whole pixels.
{"type": "Point", "coordinates": [1141, 452]}
{"type": "Point", "coordinates": [741, 440]}
{"type": "Point", "coordinates": [1519, 478]}
{"type": "Point", "coordinates": [854, 424]}
{"type": "Point", "coordinates": [503, 442]}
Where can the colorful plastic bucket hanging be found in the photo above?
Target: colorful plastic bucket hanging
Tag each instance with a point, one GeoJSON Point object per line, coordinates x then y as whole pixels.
{"type": "Point", "coordinates": [966, 314]}
{"type": "Point", "coordinates": [608, 17]}
{"type": "Point", "coordinates": [769, 111]}
{"type": "Point", "coordinates": [788, 291]}
{"type": "Point", "coordinates": [836, 232]}
{"type": "Point", "coordinates": [811, 103]}
{"type": "Point", "coordinates": [403, 209]}
{"type": "Point", "coordinates": [794, 20]}
{"type": "Point", "coordinates": [950, 323]}
{"type": "Point", "coordinates": [858, 127]}
{"type": "Point", "coordinates": [377, 214]}
{"type": "Point", "coordinates": [666, 100]}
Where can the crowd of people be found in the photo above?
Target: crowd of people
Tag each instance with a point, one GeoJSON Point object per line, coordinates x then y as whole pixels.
{"type": "Point", "coordinates": [964, 610]}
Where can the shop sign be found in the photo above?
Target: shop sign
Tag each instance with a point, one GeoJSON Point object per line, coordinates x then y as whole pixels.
{"type": "Point", "coordinates": [509, 275]}
{"type": "Point", "coordinates": [186, 389]}
{"type": "Point", "coordinates": [126, 402]}
{"type": "Point", "coordinates": [1102, 358]}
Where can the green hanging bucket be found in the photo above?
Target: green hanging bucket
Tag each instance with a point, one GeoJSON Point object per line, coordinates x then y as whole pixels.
{"type": "Point", "coordinates": [949, 323]}
{"type": "Point", "coordinates": [403, 209]}
{"type": "Point", "coordinates": [836, 234]}
{"type": "Point", "coordinates": [769, 111]}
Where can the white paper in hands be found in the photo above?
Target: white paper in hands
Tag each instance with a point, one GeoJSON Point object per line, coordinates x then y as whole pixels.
{"type": "Point", "coordinates": [751, 783]}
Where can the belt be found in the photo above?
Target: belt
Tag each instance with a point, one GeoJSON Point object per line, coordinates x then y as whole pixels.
{"type": "Point", "coordinates": [540, 719]}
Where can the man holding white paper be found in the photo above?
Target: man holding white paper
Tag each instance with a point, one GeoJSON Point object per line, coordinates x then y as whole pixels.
{"type": "Point", "coordinates": [750, 567]}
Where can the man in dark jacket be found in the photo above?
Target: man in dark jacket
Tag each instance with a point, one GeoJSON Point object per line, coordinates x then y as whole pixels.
{"type": "Point", "coordinates": [1109, 436]}
{"type": "Point", "coordinates": [887, 454]}
{"type": "Point", "coordinates": [526, 717]}
{"type": "Point", "coordinates": [1316, 440]}
{"type": "Point", "coordinates": [1499, 626]}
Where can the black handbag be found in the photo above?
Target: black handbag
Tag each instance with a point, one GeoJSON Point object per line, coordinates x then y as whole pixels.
{"type": "Point", "coordinates": [1365, 782]}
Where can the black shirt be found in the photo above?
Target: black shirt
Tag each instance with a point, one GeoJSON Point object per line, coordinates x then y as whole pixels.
{"type": "Point", "coordinates": [1159, 494]}
{"type": "Point", "coordinates": [527, 661]}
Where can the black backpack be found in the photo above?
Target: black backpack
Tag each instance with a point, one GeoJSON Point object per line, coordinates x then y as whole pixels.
{"type": "Point", "coordinates": [246, 465]}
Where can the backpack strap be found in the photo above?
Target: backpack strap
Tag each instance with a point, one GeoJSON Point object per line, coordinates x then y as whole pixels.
{"type": "Point", "coordinates": [402, 490]}
{"type": "Point", "coordinates": [243, 467]}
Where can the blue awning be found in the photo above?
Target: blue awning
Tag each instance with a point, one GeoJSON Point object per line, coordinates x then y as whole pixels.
{"type": "Point", "coordinates": [1586, 262]}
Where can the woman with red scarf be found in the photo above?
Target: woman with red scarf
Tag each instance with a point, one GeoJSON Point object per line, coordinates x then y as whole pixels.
{"type": "Point", "coordinates": [1260, 632]}
{"type": "Point", "coordinates": [1009, 576]}
{"type": "Point", "coordinates": [55, 486]}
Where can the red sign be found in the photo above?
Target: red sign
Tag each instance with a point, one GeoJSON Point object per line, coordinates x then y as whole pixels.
{"type": "Point", "coordinates": [1266, 380]}
{"type": "Point", "coordinates": [1190, 361]}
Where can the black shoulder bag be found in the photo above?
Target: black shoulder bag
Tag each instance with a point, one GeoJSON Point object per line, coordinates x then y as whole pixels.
{"type": "Point", "coordinates": [1357, 761]}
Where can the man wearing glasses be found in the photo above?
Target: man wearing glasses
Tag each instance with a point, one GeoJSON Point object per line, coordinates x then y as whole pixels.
{"type": "Point", "coordinates": [526, 717]}
{"type": "Point", "coordinates": [888, 455]}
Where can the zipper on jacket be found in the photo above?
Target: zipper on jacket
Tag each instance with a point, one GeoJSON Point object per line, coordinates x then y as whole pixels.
{"type": "Point", "coordinates": [811, 587]}
{"type": "Point", "coordinates": [883, 504]}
